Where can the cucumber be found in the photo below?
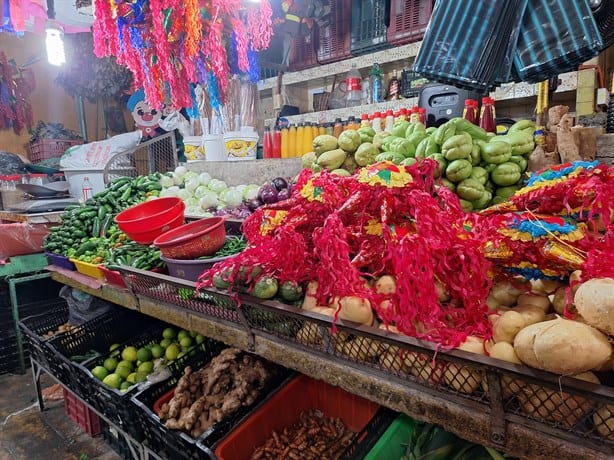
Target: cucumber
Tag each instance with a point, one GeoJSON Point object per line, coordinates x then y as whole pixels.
{"type": "Point", "coordinates": [291, 291]}
{"type": "Point", "coordinates": [265, 288]}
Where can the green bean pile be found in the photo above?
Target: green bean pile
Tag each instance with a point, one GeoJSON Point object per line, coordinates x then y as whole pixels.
{"type": "Point", "coordinates": [232, 246]}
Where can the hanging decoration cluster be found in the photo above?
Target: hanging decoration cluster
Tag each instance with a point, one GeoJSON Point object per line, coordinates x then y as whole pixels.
{"type": "Point", "coordinates": [170, 44]}
{"type": "Point", "coordinates": [16, 85]}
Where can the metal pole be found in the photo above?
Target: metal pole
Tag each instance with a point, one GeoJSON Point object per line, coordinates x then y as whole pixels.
{"type": "Point", "coordinates": [81, 117]}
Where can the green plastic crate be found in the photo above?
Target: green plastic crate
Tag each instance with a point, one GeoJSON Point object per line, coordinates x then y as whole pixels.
{"type": "Point", "coordinates": [392, 444]}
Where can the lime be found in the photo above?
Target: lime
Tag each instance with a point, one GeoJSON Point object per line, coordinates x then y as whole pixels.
{"type": "Point", "coordinates": [199, 338]}
{"type": "Point", "coordinates": [144, 355]}
{"type": "Point", "coordinates": [128, 364]}
{"type": "Point", "coordinates": [172, 351]}
{"type": "Point", "coordinates": [157, 351]}
{"type": "Point", "coordinates": [123, 371]}
{"type": "Point", "coordinates": [140, 377]}
{"type": "Point", "coordinates": [193, 333]}
{"type": "Point", "coordinates": [110, 364]}
{"type": "Point", "coordinates": [182, 333]}
{"type": "Point", "coordinates": [114, 349]}
{"type": "Point", "coordinates": [125, 385]}
{"type": "Point", "coordinates": [169, 333]}
{"type": "Point", "coordinates": [100, 372]}
{"type": "Point", "coordinates": [129, 353]}
{"type": "Point", "coordinates": [185, 343]}
{"type": "Point", "coordinates": [113, 381]}
{"type": "Point", "coordinates": [146, 367]}
{"type": "Point", "coordinates": [165, 343]}
{"type": "Point", "coordinates": [131, 378]}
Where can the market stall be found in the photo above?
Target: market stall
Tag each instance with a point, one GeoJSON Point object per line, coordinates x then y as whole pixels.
{"type": "Point", "coordinates": [432, 264]}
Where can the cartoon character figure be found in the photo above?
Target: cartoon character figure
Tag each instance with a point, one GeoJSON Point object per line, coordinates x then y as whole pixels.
{"type": "Point", "coordinates": [146, 118]}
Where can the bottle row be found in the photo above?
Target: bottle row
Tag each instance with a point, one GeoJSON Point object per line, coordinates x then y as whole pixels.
{"type": "Point", "coordinates": [294, 140]}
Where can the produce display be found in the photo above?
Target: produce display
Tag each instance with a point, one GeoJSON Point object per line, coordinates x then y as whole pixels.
{"type": "Point", "coordinates": [313, 437]}
{"type": "Point", "coordinates": [233, 246]}
{"type": "Point", "coordinates": [481, 168]}
{"type": "Point", "coordinates": [130, 365]}
{"type": "Point", "coordinates": [204, 397]}
{"type": "Point", "coordinates": [205, 196]}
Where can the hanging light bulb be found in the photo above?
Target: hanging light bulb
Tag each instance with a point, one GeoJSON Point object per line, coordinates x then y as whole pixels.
{"type": "Point", "coordinates": [55, 43]}
{"type": "Point", "coordinates": [54, 40]}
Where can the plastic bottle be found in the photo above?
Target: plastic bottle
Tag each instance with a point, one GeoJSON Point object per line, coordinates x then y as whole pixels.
{"type": "Point", "coordinates": [376, 80]}
{"type": "Point", "coordinates": [329, 129]}
{"type": "Point", "coordinates": [353, 123]}
{"type": "Point", "coordinates": [394, 87]}
{"type": "Point", "coordinates": [86, 189]}
{"type": "Point", "coordinates": [487, 115]}
{"type": "Point", "coordinates": [309, 137]}
{"type": "Point", "coordinates": [414, 115]}
{"type": "Point", "coordinates": [285, 142]}
{"type": "Point", "coordinates": [469, 111]}
{"type": "Point", "coordinates": [337, 127]}
{"type": "Point", "coordinates": [277, 143]}
{"type": "Point", "coordinates": [267, 146]}
{"type": "Point", "coordinates": [292, 141]}
{"type": "Point", "coordinates": [353, 85]}
{"type": "Point", "coordinates": [377, 122]}
{"type": "Point", "coordinates": [314, 133]}
{"type": "Point", "coordinates": [321, 129]}
{"type": "Point", "coordinates": [366, 97]}
{"type": "Point", "coordinates": [389, 123]}
{"type": "Point", "coordinates": [422, 113]}
{"type": "Point", "coordinates": [300, 139]}
{"type": "Point", "coordinates": [403, 114]}
{"type": "Point", "coordinates": [364, 121]}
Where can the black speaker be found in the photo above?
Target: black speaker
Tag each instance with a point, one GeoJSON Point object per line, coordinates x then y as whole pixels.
{"type": "Point", "coordinates": [443, 102]}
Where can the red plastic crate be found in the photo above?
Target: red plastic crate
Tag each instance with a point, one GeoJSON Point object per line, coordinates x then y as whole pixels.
{"type": "Point", "coordinates": [334, 39]}
{"type": "Point", "coordinates": [43, 149]}
{"type": "Point", "coordinates": [408, 20]}
{"type": "Point", "coordinates": [284, 408]}
{"type": "Point", "coordinates": [82, 415]}
{"type": "Point", "coordinates": [303, 52]}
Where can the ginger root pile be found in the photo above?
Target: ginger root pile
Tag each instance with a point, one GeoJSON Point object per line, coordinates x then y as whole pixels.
{"type": "Point", "coordinates": [202, 398]}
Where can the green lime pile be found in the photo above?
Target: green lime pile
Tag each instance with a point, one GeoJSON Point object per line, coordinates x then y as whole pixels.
{"type": "Point", "coordinates": [126, 367]}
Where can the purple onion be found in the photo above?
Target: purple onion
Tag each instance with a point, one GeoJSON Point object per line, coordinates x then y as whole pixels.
{"type": "Point", "coordinates": [283, 194]}
{"type": "Point", "coordinates": [268, 194]}
{"type": "Point", "coordinates": [279, 183]}
{"type": "Point", "coordinates": [254, 204]}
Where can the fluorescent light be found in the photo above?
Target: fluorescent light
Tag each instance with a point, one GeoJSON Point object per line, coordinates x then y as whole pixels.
{"type": "Point", "coordinates": [55, 44]}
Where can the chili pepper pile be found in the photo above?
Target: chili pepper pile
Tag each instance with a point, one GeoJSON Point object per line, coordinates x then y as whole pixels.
{"type": "Point", "coordinates": [232, 246]}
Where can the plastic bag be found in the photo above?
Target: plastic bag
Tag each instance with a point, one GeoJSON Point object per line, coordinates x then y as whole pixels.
{"type": "Point", "coordinates": [21, 238]}
{"type": "Point", "coordinates": [96, 155]}
{"type": "Point", "coordinates": [83, 307]}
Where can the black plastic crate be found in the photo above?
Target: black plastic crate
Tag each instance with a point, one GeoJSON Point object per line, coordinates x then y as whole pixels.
{"type": "Point", "coordinates": [9, 355]}
{"type": "Point", "coordinates": [34, 328]}
{"type": "Point", "coordinates": [369, 31]}
{"type": "Point", "coordinates": [368, 437]}
{"type": "Point", "coordinates": [117, 441]}
{"type": "Point", "coordinates": [171, 444]}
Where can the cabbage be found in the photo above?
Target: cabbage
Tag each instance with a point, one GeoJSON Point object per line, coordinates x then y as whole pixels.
{"type": "Point", "coordinates": [190, 175]}
{"type": "Point", "coordinates": [250, 192]}
{"type": "Point", "coordinates": [208, 200]}
{"type": "Point", "coordinates": [233, 198]}
{"type": "Point", "coordinates": [171, 191]}
{"type": "Point", "coordinates": [193, 210]}
{"type": "Point", "coordinates": [184, 194]}
{"type": "Point", "coordinates": [240, 188]}
{"type": "Point", "coordinates": [192, 184]}
{"type": "Point", "coordinates": [166, 181]}
{"type": "Point", "coordinates": [180, 170]}
{"type": "Point", "coordinates": [204, 178]}
{"type": "Point", "coordinates": [200, 191]}
{"type": "Point", "coordinates": [217, 185]}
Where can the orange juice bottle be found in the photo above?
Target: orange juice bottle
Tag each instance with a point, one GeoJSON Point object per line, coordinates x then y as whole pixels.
{"type": "Point", "coordinates": [285, 142]}
{"type": "Point", "coordinates": [321, 129]}
{"type": "Point", "coordinates": [314, 132]}
{"type": "Point", "coordinates": [309, 137]}
{"type": "Point", "coordinates": [300, 139]}
{"type": "Point", "coordinates": [292, 141]}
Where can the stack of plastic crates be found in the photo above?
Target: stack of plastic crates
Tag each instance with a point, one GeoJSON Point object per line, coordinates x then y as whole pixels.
{"type": "Point", "coordinates": [334, 38]}
{"type": "Point", "coordinates": [408, 20]}
{"type": "Point", "coordinates": [368, 26]}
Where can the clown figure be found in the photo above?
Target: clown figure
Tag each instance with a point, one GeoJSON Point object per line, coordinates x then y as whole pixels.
{"type": "Point", "coordinates": [146, 118]}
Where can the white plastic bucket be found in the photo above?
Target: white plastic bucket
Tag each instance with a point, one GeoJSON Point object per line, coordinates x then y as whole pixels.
{"type": "Point", "coordinates": [193, 146]}
{"type": "Point", "coordinates": [213, 146]}
{"type": "Point", "coordinates": [241, 145]}
{"type": "Point", "coordinates": [75, 179]}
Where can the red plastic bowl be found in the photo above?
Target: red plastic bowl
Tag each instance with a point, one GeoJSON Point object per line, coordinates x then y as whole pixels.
{"type": "Point", "coordinates": [199, 238]}
{"type": "Point", "coordinates": [146, 221]}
